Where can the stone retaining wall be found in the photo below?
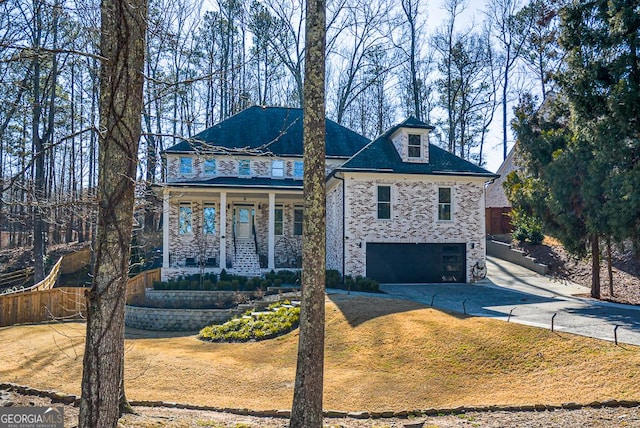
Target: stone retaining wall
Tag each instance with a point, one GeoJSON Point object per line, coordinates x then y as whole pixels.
{"type": "Point", "coordinates": [188, 299]}
{"type": "Point", "coordinates": [175, 319]}
{"type": "Point", "coordinates": [504, 251]}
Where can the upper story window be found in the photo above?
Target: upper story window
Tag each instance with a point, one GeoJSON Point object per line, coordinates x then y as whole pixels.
{"type": "Point", "coordinates": [277, 168]}
{"type": "Point", "coordinates": [297, 221]}
{"type": "Point", "coordinates": [384, 202]}
{"type": "Point", "coordinates": [298, 169]}
{"type": "Point", "coordinates": [444, 203]}
{"type": "Point", "coordinates": [244, 167]}
{"type": "Point", "coordinates": [185, 218]}
{"type": "Point", "coordinates": [209, 219]}
{"type": "Point", "coordinates": [210, 166]}
{"type": "Point", "coordinates": [279, 221]}
{"type": "Point", "coordinates": [186, 165]}
{"type": "Point", "coordinates": [415, 146]}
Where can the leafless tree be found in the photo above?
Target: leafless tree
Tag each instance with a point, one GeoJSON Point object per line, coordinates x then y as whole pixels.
{"type": "Point", "coordinates": [306, 410]}
{"type": "Point", "coordinates": [508, 33]}
{"type": "Point", "coordinates": [121, 80]}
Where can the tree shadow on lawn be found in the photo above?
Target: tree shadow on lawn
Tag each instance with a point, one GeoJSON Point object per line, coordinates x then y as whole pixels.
{"type": "Point", "coordinates": [136, 333]}
{"type": "Point", "coordinates": [360, 309]}
{"type": "Point", "coordinates": [490, 300]}
{"type": "Point", "coordinates": [627, 319]}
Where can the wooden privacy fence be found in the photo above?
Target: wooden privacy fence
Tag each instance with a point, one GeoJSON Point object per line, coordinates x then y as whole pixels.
{"type": "Point", "coordinates": [44, 305]}
{"type": "Point", "coordinates": [137, 284]}
{"type": "Point", "coordinates": [62, 302]}
{"type": "Point", "coordinates": [46, 284]}
{"type": "Point", "coordinates": [75, 261]}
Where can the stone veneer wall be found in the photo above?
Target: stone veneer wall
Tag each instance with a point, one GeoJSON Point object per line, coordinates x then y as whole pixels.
{"type": "Point", "coordinates": [335, 245]}
{"type": "Point", "coordinates": [175, 319]}
{"type": "Point", "coordinates": [413, 215]}
{"type": "Point", "coordinates": [192, 299]}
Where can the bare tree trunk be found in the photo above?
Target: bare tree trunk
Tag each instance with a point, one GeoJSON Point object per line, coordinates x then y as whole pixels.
{"type": "Point", "coordinates": [306, 411]}
{"type": "Point", "coordinates": [122, 46]}
{"type": "Point", "coordinates": [38, 149]}
{"type": "Point", "coordinates": [609, 267]}
{"type": "Point", "coordinates": [595, 267]}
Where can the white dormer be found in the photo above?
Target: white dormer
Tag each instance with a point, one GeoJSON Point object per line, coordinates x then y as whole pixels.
{"type": "Point", "coordinates": [412, 144]}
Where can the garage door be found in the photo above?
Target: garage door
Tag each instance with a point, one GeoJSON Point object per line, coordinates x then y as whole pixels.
{"type": "Point", "coordinates": [412, 263]}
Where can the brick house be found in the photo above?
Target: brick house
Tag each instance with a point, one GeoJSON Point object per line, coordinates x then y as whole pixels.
{"type": "Point", "coordinates": [398, 208]}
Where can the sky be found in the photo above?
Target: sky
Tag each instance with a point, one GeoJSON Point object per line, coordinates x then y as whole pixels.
{"type": "Point", "coordinates": [473, 16]}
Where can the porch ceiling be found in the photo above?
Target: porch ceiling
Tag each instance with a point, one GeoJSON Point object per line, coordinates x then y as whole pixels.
{"type": "Point", "coordinates": [236, 195]}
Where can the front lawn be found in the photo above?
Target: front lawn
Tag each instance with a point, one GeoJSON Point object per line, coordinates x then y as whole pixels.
{"type": "Point", "coordinates": [381, 354]}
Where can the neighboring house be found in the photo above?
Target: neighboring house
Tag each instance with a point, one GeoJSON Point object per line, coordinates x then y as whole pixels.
{"type": "Point", "coordinates": [398, 208]}
{"type": "Point", "coordinates": [498, 206]}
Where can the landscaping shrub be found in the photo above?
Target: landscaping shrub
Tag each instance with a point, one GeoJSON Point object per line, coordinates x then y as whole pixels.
{"type": "Point", "coordinates": [333, 279]}
{"type": "Point", "coordinates": [284, 278]}
{"type": "Point", "coordinates": [526, 228]}
{"type": "Point", "coordinates": [278, 319]}
{"type": "Point", "coordinates": [359, 284]}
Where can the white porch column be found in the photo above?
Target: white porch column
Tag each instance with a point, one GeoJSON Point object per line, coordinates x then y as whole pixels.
{"type": "Point", "coordinates": [223, 230]}
{"type": "Point", "coordinates": [165, 228]}
{"type": "Point", "coordinates": [272, 230]}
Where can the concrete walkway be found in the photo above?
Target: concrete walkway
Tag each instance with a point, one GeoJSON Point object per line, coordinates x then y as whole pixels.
{"type": "Point", "coordinates": [513, 293]}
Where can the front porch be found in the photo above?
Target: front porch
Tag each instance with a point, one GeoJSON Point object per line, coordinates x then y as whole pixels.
{"type": "Point", "coordinates": [245, 231]}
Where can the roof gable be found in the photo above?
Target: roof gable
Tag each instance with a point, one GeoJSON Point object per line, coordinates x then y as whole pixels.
{"type": "Point", "coordinates": [381, 156]}
{"type": "Point", "coordinates": [273, 130]}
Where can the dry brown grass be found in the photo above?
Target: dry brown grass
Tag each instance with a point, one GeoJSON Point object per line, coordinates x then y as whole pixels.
{"type": "Point", "coordinates": [380, 355]}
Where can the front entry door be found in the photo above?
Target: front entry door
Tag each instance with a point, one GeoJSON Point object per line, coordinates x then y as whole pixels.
{"type": "Point", "coordinates": [243, 222]}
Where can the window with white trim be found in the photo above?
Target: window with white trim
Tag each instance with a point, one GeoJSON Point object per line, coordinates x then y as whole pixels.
{"type": "Point", "coordinates": [384, 202]}
{"type": "Point", "coordinates": [415, 146]}
{"type": "Point", "coordinates": [279, 220]}
{"type": "Point", "coordinates": [186, 165]}
{"type": "Point", "coordinates": [209, 219]}
{"type": "Point", "coordinates": [298, 169]}
{"type": "Point", "coordinates": [185, 218]}
{"type": "Point", "coordinates": [244, 167]}
{"type": "Point", "coordinates": [277, 168]}
{"type": "Point", "coordinates": [444, 203]}
{"type": "Point", "coordinates": [297, 220]}
{"type": "Point", "coordinates": [210, 166]}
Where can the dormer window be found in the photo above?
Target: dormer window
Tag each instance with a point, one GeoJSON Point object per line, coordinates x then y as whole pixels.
{"type": "Point", "coordinates": [277, 168]}
{"type": "Point", "coordinates": [415, 146]}
{"type": "Point", "coordinates": [210, 166]}
{"type": "Point", "coordinates": [186, 165]}
{"type": "Point", "coordinates": [244, 168]}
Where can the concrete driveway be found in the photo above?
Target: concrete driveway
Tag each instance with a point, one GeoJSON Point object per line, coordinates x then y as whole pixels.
{"type": "Point", "coordinates": [513, 293]}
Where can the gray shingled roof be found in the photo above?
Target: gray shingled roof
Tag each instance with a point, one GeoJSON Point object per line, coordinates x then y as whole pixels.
{"type": "Point", "coordinates": [381, 156]}
{"type": "Point", "coordinates": [275, 130]}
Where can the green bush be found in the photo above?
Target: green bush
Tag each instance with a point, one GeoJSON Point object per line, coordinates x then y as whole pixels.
{"type": "Point", "coordinates": [526, 228]}
{"type": "Point", "coordinates": [279, 319]}
{"type": "Point", "coordinates": [333, 279]}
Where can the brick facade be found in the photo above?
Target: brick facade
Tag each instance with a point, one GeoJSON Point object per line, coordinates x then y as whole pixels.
{"type": "Point", "coordinates": [227, 166]}
{"type": "Point", "coordinates": [414, 208]}
{"type": "Point", "coordinates": [335, 241]}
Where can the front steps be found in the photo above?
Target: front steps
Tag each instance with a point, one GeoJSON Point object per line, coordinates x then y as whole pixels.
{"type": "Point", "coordinates": [245, 260]}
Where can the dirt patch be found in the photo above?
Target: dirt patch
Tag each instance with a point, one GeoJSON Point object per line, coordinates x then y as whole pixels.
{"type": "Point", "coordinates": [147, 417]}
{"type": "Point", "coordinates": [564, 266]}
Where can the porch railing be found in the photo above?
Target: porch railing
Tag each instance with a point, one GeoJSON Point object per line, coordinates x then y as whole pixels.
{"type": "Point", "coordinates": [233, 234]}
{"type": "Point", "coordinates": [255, 237]}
